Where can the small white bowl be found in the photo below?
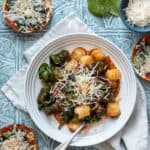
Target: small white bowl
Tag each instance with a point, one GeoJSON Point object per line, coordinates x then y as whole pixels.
{"type": "Point", "coordinates": [100, 131]}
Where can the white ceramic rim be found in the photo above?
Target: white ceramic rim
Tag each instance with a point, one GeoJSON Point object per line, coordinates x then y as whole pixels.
{"type": "Point", "coordinates": [86, 141]}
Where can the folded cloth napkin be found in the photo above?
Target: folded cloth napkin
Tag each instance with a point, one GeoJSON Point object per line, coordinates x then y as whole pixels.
{"type": "Point", "coordinates": [134, 136]}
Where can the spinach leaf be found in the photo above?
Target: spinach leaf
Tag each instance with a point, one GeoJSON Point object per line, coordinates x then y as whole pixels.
{"type": "Point", "coordinates": [60, 58]}
{"type": "Point", "coordinates": [6, 136]}
{"type": "Point", "coordinates": [103, 8]}
{"type": "Point", "coordinates": [45, 99]}
{"type": "Point", "coordinates": [114, 7]}
{"type": "Point", "coordinates": [46, 73]}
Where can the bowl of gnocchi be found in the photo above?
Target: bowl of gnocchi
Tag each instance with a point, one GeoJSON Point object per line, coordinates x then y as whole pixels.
{"type": "Point", "coordinates": [76, 79]}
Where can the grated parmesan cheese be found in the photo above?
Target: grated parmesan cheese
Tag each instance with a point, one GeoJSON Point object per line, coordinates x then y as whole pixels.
{"type": "Point", "coordinates": [138, 12]}
{"type": "Point", "coordinates": [27, 12]}
{"type": "Point", "coordinates": [14, 144]}
{"type": "Point", "coordinates": [85, 86]}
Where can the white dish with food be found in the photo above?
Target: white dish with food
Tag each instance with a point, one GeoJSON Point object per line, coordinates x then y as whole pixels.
{"type": "Point", "coordinates": [27, 16]}
{"type": "Point", "coordinates": [104, 128]}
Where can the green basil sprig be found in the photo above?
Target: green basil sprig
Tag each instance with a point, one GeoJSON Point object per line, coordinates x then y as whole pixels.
{"type": "Point", "coordinates": [103, 8]}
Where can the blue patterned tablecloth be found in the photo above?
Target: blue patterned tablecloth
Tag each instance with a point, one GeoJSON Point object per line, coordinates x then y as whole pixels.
{"type": "Point", "coordinates": [12, 46]}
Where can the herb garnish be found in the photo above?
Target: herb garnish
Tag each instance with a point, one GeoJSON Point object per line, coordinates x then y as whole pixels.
{"type": "Point", "coordinates": [103, 8]}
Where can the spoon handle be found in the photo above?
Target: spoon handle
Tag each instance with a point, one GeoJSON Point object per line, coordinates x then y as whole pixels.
{"type": "Point", "coordinates": [63, 146]}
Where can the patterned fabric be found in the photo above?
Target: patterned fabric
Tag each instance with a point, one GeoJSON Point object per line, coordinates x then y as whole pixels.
{"type": "Point", "coordinates": [12, 46]}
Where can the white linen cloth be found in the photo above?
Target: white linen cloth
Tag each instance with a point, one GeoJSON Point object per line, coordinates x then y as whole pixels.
{"type": "Point", "coordinates": [134, 135]}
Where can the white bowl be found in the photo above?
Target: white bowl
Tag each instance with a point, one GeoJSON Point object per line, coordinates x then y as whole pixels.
{"type": "Point", "coordinates": [100, 131]}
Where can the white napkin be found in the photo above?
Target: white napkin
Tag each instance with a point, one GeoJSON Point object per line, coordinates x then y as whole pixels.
{"type": "Point", "coordinates": [134, 135]}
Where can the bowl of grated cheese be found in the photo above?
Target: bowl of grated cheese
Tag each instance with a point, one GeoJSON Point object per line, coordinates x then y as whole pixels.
{"type": "Point", "coordinates": [135, 14]}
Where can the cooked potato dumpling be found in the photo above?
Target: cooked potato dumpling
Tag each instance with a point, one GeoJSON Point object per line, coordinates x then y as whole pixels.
{"type": "Point", "coordinates": [113, 109]}
{"type": "Point", "coordinates": [86, 60]}
{"type": "Point", "coordinates": [78, 53]}
{"type": "Point", "coordinates": [71, 65]}
{"type": "Point", "coordinates": [97, 54]}
{"type": "Point", "coordinates": [113, 74]}
{"type": "Point", "coordinates": [73, 126]}
{"type": "Point", "coordinates": [82, 111]}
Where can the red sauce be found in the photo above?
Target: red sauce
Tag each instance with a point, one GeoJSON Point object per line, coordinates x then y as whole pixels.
{"type": "Point", "coordinates": [135, 50]}
{"type": "Point", "coordinates": [117, 88]}
{"type": "Point", "coordinates": [147, 75]}
{"type": "Point", "coordinates": [109, 62]}
{"type": "Point", "coordinates": [11, 24]}
{"type": "Point", "coordinates": [6, 8]}
{"type": "Point", "coordinates": [145, 39]}
{"type": "Point", "coordinates": [58, 117]}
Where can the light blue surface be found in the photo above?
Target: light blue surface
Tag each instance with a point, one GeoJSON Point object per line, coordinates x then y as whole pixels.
{"type": "Point", "coordinates": [12, 46]}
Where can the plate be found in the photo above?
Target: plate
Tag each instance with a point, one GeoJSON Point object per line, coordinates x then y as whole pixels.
{"type": "Point", "coordinates": [141, 57]}
{"type": "Point", "coordinates": [26, 24]}
{"type": "Point", "coordinates": [102, 130]}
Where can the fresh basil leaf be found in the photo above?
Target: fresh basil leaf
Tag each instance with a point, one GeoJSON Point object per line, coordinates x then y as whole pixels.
{"type": "Point", "coordinates": [98, 7]}
{"type": "Point", "coordinates": [114, 7]}
{"type": "Point", "coordinates": [103, 8]}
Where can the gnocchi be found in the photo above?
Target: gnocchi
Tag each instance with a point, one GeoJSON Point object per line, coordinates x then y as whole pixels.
{"type": "Point", "coordinates": [113, 74]}
{"type": "Point", "coordinates": [113, 109]}
{"type": "Point", "coordinates": [82, 111]}
{"type": "Point", "coordinates": [78, 53]}
{"type": "Point", "coordinates": [97, 54]}
{"type": "Point", "coordinates": [86, 60]}
{"type": "Point", "coordinates": [73, 126]}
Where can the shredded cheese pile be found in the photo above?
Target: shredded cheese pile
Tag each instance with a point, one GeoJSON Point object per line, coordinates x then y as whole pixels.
{"type": "Point", "coordinates": [138, 12]}
{"type": "Point", "coordinates": [24, 8]}
{"type": "Point", "coordinates": [85, 87]}
{"type": "Point", "coordinates": [14, 144]}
